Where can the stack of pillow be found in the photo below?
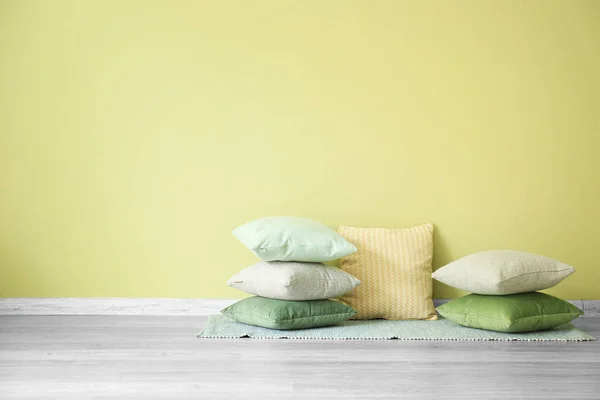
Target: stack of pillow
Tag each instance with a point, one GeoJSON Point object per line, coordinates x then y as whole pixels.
{"type": "Point", "coordinates": [505, 297]}
{"type": "Point", "coordinates": [292, 286]}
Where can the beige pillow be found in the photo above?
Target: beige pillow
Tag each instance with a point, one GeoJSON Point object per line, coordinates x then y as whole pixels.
{"type": "Point", "coordinates": [500, 272]}
{"type": "Point", "coordinates": [286, 280]}
{"type": "Point", "coordinates": [394, 267]}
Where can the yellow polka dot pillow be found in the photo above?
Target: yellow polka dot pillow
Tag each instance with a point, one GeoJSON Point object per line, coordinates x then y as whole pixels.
{"type": "Point", "coordinates": [394, 266]}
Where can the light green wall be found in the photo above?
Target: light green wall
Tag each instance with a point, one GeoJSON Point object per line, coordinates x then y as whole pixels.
{"type": "Point", "coordinates": [135, 135]}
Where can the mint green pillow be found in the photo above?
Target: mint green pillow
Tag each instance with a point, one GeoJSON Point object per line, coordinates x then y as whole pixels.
{"type": "Point", "coordinates": [292, 239]}
{"type": "Point", "coordinates": [287, 314]}
{"type": "Point", "coordinates": [523, 312]}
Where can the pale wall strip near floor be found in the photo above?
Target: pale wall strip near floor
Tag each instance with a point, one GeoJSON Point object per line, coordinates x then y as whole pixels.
{"type": "Point", "coordinates": [150, 306]}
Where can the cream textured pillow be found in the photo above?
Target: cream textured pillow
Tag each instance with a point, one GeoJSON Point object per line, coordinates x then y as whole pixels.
{"type": "Point", "coordinates": [500, 272]}
{"type": "Point", "coordinates": [394, 266]}
{"type": "Point", "coordinates": [293, 281]}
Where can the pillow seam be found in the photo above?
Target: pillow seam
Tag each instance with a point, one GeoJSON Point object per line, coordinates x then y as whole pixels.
{"type": "Point", "coordinates": [513, 320]}
{"type": "Point", "coordinates": [293, 319]}
{"type": "Point", "coordinates": [531, 273]}
{"type": "Point", "coordinates": [455, 275]}
{"type": "Point", "coordinates": [289, 245]}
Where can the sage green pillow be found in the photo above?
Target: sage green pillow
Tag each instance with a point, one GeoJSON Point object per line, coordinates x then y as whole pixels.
{"type": "Point", "coordinates": [287, 314]}
{"type": "Point", "coordinates": [523, 312]}
{"type": "Point", "coordinates": [292, 239]}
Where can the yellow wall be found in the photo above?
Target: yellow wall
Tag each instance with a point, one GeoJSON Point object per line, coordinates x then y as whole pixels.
{"type": "Point", "coordinates": [135, 135]}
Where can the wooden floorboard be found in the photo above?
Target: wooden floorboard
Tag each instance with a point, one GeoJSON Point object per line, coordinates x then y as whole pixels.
{"type": "Point", "coordinates": [145, 357]}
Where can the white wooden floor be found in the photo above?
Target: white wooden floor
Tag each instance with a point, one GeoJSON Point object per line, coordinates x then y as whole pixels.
{"type": "Point", "coordinates": [141, 357]}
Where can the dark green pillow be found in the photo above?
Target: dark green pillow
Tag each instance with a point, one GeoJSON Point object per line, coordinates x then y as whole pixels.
{"type": "Point", "coordinates": [286, 314]}
{"type": "Point", "coordinates": [523, 312]}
